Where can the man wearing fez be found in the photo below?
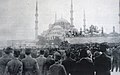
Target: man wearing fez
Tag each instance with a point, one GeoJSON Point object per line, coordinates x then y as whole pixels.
{"type": "Point", "coordinates": [5, 59]}
{"type": "Point", "coordinates": [14, 67]}
{"type": "Point", "coordinates": [57, 68]}
{"type": "Point", "coordinates": [30, 65]}
{"type": "Point", "coordinates": [102, 62]}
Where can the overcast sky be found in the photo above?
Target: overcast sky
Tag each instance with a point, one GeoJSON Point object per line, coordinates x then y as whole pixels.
{"type": "Point", "coordinates": [17, 17]}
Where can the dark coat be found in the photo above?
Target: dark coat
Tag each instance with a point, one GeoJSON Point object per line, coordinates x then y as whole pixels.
{"type": "Point", "coordinates": [85, 66]}
{"type": "Point", "coordinates": [14, 67]}
{"type": "Point", "coordinates": [69, 65]}
{"type": "Point", "coordinates": [48, 63]}
{"type": "Point", "coordinates": [41, 61]}
{"type": "Point", "coordinates": [30, 66]}
{"type": "Point", "coordinates": [57, 69]}
{"type": "Point", "coordinates": [3, 63]}
{"type": "Point", "coordinates": [102, 65]}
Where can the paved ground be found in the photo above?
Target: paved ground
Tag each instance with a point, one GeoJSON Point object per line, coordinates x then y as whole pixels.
{"type": "Point", "coordinates": [115, 73]}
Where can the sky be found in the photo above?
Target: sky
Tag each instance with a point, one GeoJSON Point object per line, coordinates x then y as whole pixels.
{"type": "Point", "coordinates": [17, 17]}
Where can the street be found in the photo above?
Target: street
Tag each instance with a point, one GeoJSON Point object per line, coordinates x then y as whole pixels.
{"type": "Point", "coordinates": [115, 73]}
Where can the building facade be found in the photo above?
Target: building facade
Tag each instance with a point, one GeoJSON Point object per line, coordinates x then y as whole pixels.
{"type": "Point", "coordinates": [59, 29]}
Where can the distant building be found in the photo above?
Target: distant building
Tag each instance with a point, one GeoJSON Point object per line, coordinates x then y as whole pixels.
{"type": "Point", "coordinates": [114, 33]}
{"type": "Point", "coordinates": [59, 29]}
{"type": "Point", "coordinates": [65, 30]}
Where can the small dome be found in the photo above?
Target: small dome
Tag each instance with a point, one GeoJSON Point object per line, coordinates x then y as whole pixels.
{"type": "Point", "coordinates": [57, 26]}
{"type": "Point", "coordinates": [114, 34]}
{"type": "Point", "coordinates": [62, 20]}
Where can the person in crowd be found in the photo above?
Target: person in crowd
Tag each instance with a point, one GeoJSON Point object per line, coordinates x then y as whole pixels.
{"type": "Point", "coordinates": [102, 62]}
{"type": "Point", "coordinates": [58, 53]}
{"type": "Point", "coordinates": [30, 65]}
{"type": "Point", "coordinates": [34, 53]}
{"type": "Point", "coordinates": [85, 65]}
{"type": "Point", "coordinates": [22, 56]}
{"type": "Point", "coordinates": [115, 61]}
{"type": "Point", "coordinates": [49, 61]}
{"type": "Point", "coordinates": [1, 53]}
{"type": "Point", "coordinates": [96, 54]}
{"type": "Point", "coordinates": [14, 67]}
{"type": "Point", "coordinates": [118, 48]}
{"type": "Point", "coordinates": [5, 59]}
{"type": "Point", "coordinates": [69, 64]}
{"type": "Point", "coordinates": [57, 68]}
{"type": "Point", "coordinates": [41, 61]}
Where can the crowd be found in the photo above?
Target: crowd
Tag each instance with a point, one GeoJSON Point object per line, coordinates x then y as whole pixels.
{"type": "Point", "coordinates": [86, 60]}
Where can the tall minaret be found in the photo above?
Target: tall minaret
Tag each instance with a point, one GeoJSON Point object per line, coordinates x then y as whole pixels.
{"type": "Point", "coordinates": [84, 21]}
{"type": "Point", "coordinates": [113, 29]}
{"type": "Point", "coordinates": [119, 16]}
{"type": "Point", "coordinates": [102, 31]}
{"type": "Point", "coordinates": [71, 12]}
{"type": "Point", "coordinates": [55, 17]}
{"type": "Point", "coordinates": [36, 21]}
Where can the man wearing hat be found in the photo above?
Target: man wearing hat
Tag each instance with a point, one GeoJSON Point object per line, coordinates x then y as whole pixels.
{"type": "Point", "coordinates": [85, 65]}
{"type": "Point", "coordinates": [30, 65]}
{"type": "Point", "coordinates": [57, 68]}
{"type": "Point", "coordinates": [41, 61]}
{"type": "Point", "coordinates": [5, 59]}
{"type": "Point", "coordinates": [49, 61]}
{"type": "Point", "coordinates": [69, 64]}
{"type": "Point", "coordinates": [14, 67]}
{"type": "Point", "coordinates": [102, 62]}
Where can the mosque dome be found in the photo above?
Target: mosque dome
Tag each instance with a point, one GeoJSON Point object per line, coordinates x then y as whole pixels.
{"type": "Point", "coordinates": [62, 20]}
{"type": "Point", "coordinates": [63, 23]}
{"type": "Point", "coordinates": [113, 34]}
{"type": "Point", "coordinates": [57, 27]}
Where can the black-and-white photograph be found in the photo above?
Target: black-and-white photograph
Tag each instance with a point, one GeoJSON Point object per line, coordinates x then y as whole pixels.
{"type": "Point", "coordinates": [59, 37]}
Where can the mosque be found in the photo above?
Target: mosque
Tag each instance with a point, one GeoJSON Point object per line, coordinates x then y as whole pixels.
{"type": "Point", "coordinates": [61, 26]}
{"type": "Point", "coordinates": [59, 29]}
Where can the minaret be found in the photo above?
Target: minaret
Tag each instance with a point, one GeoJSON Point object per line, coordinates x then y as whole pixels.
{"type": "Point", "coordinates": [71, 12]}
{"type": "Point", "coordinates": [55, 17]}
{"type": "Point", "coordinates": [80, 31]}
{"type": "Point", "coordinates": [84, 21]}
{"type": "Point", "coordinates": [102, 31]}
{"type": "Point", "coordinates": [119, 16]}
{"type": "Point", "coordinates": [113, 29]}
{"type": "Point", "coordinates": [36, 21]}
